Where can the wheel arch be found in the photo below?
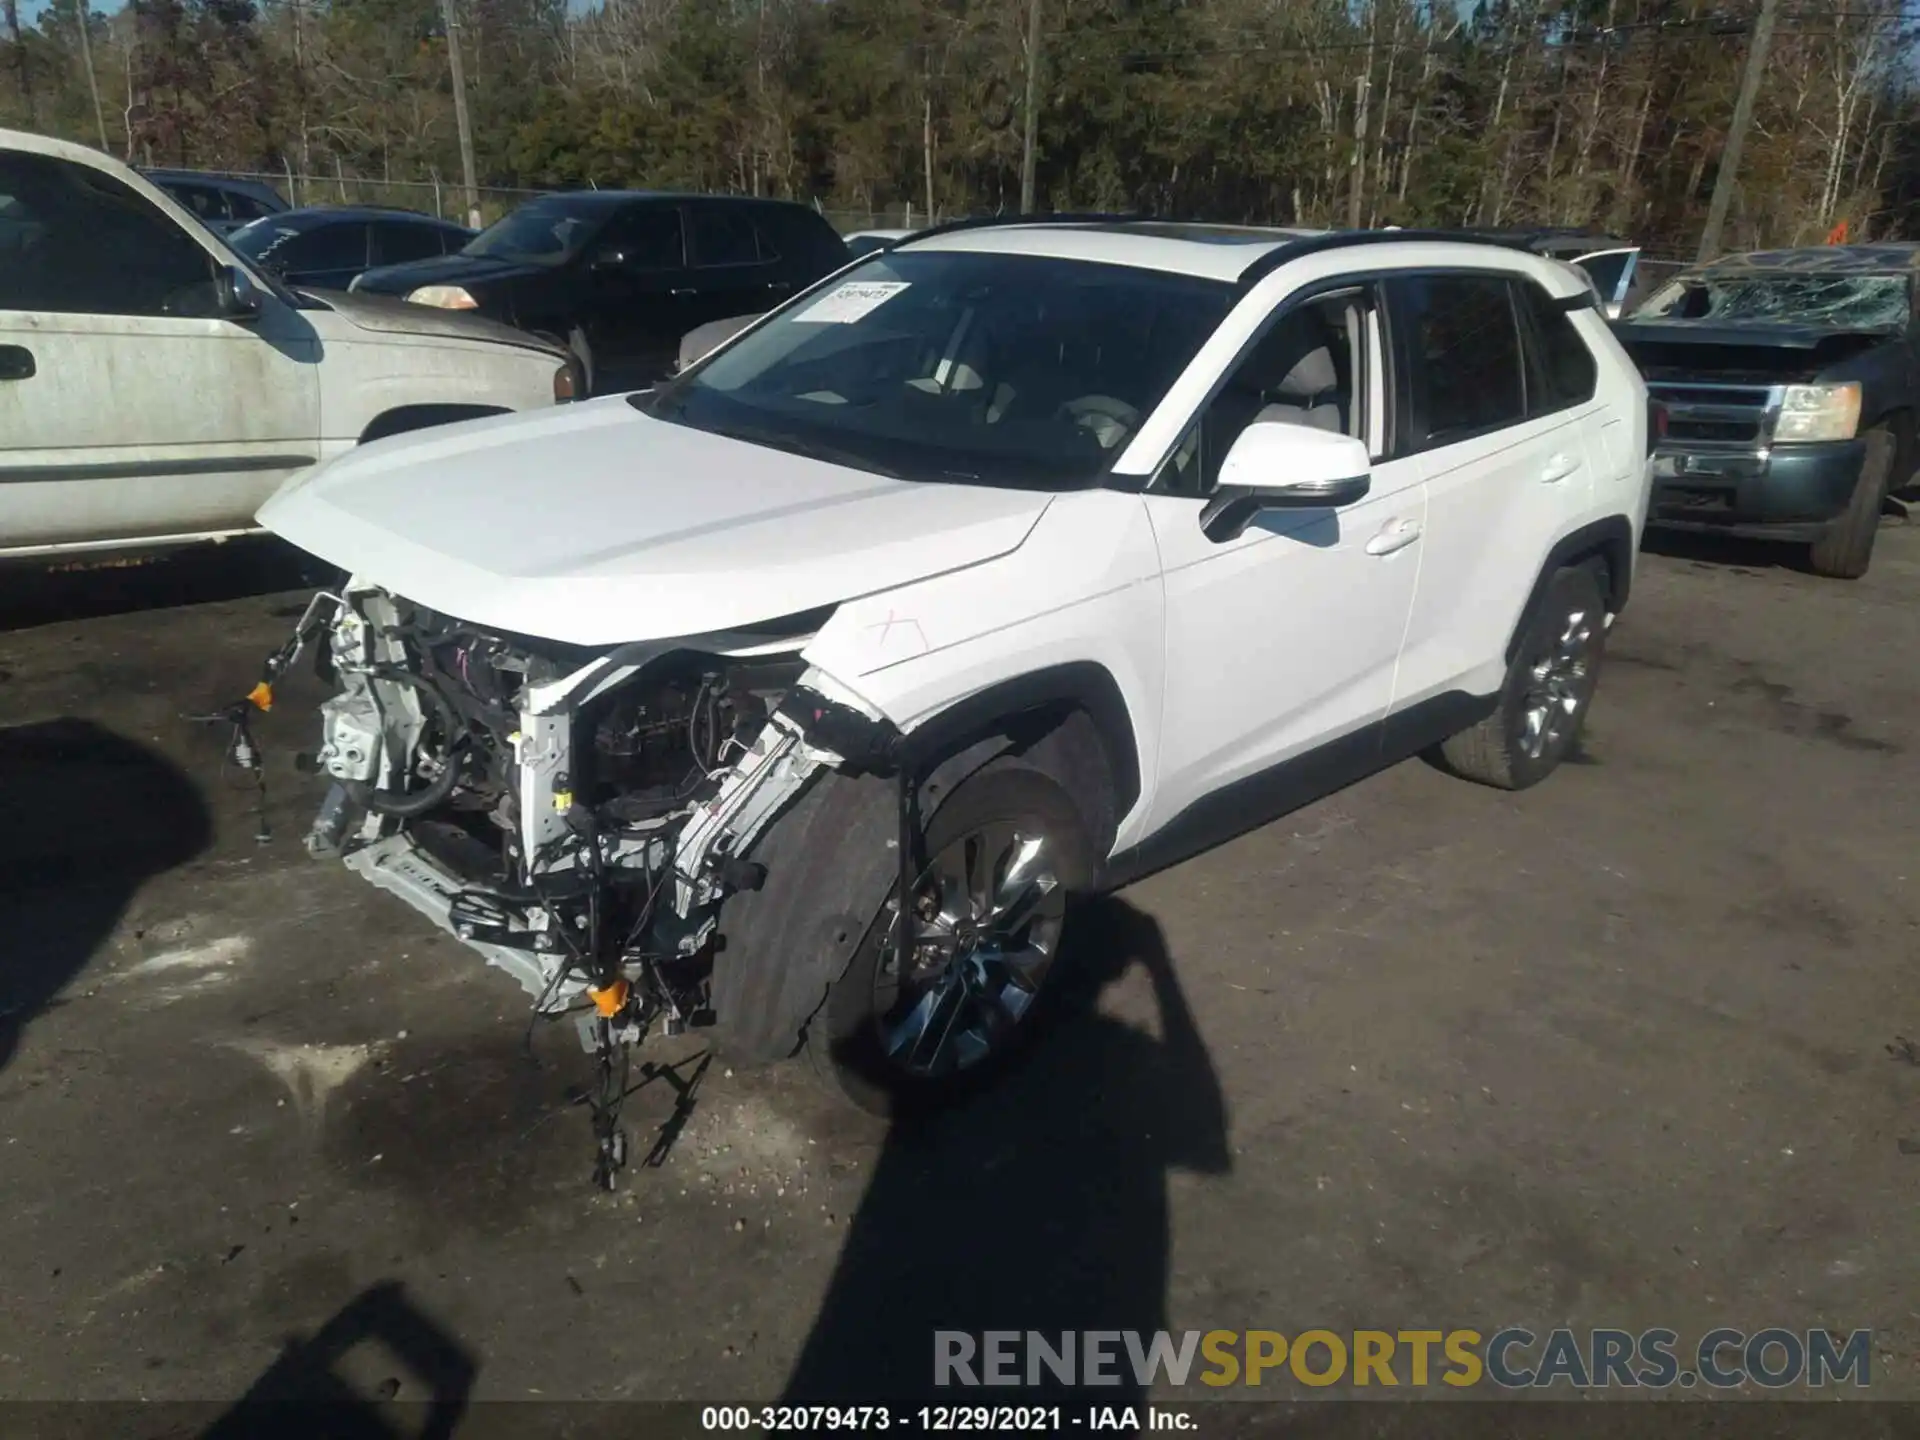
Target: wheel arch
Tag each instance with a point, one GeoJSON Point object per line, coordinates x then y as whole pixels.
{"type": "Point", "coordinates": [1906, 432]}
{"type": "Point", "coordinates": [832, 858]}
{"type": "Point", "coordinates": [1069, 721]}
{"type": "Point", "coordinates": [1609, 542]}
{"type": "Point", "coordinates": [401, 419]}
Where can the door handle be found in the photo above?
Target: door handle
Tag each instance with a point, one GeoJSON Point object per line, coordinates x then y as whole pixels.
{"type": "Point", "coordinates": [16, 362]}
{"type": "Point", "coordinates": [1559, 467]}
{"type": "Point", "coordinates": [1396, 536]}
{"type": "Point", "coordinates": [679, 293]}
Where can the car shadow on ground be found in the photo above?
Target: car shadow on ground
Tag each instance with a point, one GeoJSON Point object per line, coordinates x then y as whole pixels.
{"type": "Point", "coordinates": [1041, 1205]}
{"type": "Point", "coordinates": [39, 593]}
{"type": "Point", "coordinates": [86, 818]}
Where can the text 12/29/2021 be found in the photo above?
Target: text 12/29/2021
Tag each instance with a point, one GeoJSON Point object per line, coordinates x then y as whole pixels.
{"type": "Point", "coordinates": [945, 1419]}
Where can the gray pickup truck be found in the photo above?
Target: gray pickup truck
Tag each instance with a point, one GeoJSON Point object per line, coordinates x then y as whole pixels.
{"type": "Point", "coordinates": [1788, 381]}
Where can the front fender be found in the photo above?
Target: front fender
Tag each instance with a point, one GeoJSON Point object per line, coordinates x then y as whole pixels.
{"type": "Point", "coordinates": [361, 380]}
{"type": "Point", "coordinates": [1076, 612]}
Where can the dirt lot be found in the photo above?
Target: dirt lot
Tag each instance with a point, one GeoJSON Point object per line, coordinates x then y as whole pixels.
{"type": "Point", "coordinates": [1623, 1050]}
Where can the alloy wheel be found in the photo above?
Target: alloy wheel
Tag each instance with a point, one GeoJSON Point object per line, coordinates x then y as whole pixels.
{"type": "Point", "coordinates": [986, 916]}
{"type": "Point", "coordinates": [1557, 685]}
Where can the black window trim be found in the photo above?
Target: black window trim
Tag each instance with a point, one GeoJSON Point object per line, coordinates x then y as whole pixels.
{"type": "Point", "coordinates": [1310, 293]}
{"type": "Point", "coordinates": [1409, 407]}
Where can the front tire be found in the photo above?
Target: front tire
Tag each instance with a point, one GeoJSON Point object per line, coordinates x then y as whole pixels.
{"type": "Point", "coordinates": [1006, 852]}
{"type": "Point", "coordinates": [1845, 551]}
{"type": "Point", "coordinates": [1548, 689]}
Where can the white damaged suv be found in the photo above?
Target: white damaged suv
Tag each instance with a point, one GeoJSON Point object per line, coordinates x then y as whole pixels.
{"type": "Point", "coordinates": [998, 569]}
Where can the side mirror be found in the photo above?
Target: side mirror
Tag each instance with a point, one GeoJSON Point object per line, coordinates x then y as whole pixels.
{"type": "Point", "coordinates": [610, 257]}
{"type": "Point", "coordinates": [235, 296]}
{"type": "Point", "coordinates": [1278, 466]}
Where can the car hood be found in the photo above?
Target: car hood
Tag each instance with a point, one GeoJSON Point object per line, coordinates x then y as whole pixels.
{"type": "Point", "coordinates": [593, 524]}
{"type": "Point", "coordinates": [1679, 350]}
{"type": "Point", "coordinates": [442, 270]}
{"type": "Point", "coordinates": [1762, 333]}
{"type": "Point", "coordinates": [387, 316]}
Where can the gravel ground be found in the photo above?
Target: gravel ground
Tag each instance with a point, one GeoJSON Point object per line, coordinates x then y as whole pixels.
{"type": "Point", "coordinates": [1623, 1050]}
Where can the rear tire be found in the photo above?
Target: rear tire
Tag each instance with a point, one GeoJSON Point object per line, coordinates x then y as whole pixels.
{"type": "Point", "coordinates": [1548, 689]}
{"type": "Point", "coordinates": [1006, 852]}
{"type": "Point", "coordinates": [1845, 551]}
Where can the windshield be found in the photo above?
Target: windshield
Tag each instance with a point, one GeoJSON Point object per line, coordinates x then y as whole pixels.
{"type": "Point", "coordinates": [1854, 302]}
{"type": "Point", "coordinates": [541, 232]}
{"type": "Point", "coordinates": [1016, 370]}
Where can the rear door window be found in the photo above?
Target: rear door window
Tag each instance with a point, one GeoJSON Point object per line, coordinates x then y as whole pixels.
{"type": "Point", "coordinates": [331, 247]}
{"type": "Point", "coordinates": [396, 241]}
{"type": "Point", "coordinates": [649, 235]}
{"type": "Point", "coordinates": [722, 236]}
{"type": "Point", "coordinates": [1467, 373]}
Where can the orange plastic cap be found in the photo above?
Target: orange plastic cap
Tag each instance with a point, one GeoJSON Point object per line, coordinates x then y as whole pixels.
{"type": "Point", "coordinates": [609, 1000]}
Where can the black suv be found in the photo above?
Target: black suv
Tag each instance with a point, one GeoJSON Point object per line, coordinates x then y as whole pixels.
{"type": "Point", "coordinates": [620, 276]}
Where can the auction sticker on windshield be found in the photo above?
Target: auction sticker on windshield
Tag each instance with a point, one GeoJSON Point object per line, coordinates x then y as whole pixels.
{"type": "Point", "coordinates": [850, 302]}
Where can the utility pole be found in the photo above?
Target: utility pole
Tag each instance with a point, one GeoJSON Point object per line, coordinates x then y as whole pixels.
{"type": "Point", "coordinates": [460, 112]}
{"type": "Point", "coordinates": [21, 77]}
{"type": "Point", "coordinates": [1723, 183]}
{"type": "Point", "coordinates": [93, 81]}
{"type": "Point", "coordinates": [1033, 105]}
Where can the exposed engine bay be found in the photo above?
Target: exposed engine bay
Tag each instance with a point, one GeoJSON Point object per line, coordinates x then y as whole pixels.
{"type": "Point", "coordinates": [577, 817]}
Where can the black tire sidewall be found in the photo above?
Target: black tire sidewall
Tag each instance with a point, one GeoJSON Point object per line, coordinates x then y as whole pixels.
{"type": "Point", "coordinates": [1570, 589]}
{"type": "Point", "coordinates": [843, 1039]}
{"type": "Point", "coordinates": [1846, 550]}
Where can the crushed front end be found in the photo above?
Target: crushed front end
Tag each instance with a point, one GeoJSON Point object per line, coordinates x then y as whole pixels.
{"type": "Point", "coordinates": [576, 816]}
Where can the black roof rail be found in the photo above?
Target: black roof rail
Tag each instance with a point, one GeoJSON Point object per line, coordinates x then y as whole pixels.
{"type": "Point", "coordinates": [984, 222]}
{"type": "Point", "coordinates": [1293, 250]}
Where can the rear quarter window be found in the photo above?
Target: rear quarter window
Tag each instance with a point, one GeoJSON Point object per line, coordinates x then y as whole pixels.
{"type": "Point", "coordinates": [1562, 372]}
{"type": "Point", "coordinates": [805, 239]}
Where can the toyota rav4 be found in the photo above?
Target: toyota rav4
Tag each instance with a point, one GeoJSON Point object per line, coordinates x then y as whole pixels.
{"type": "Point", "coordinates": [804, 694]}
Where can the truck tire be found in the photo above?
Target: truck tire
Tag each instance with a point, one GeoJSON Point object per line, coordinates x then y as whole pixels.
{"type": "Point", "coordinates": [1006, 853]}
{"type": "Point", "coordinates": [1845, 551]}
{"type": "Point", "coordinates": [1548, 688]}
